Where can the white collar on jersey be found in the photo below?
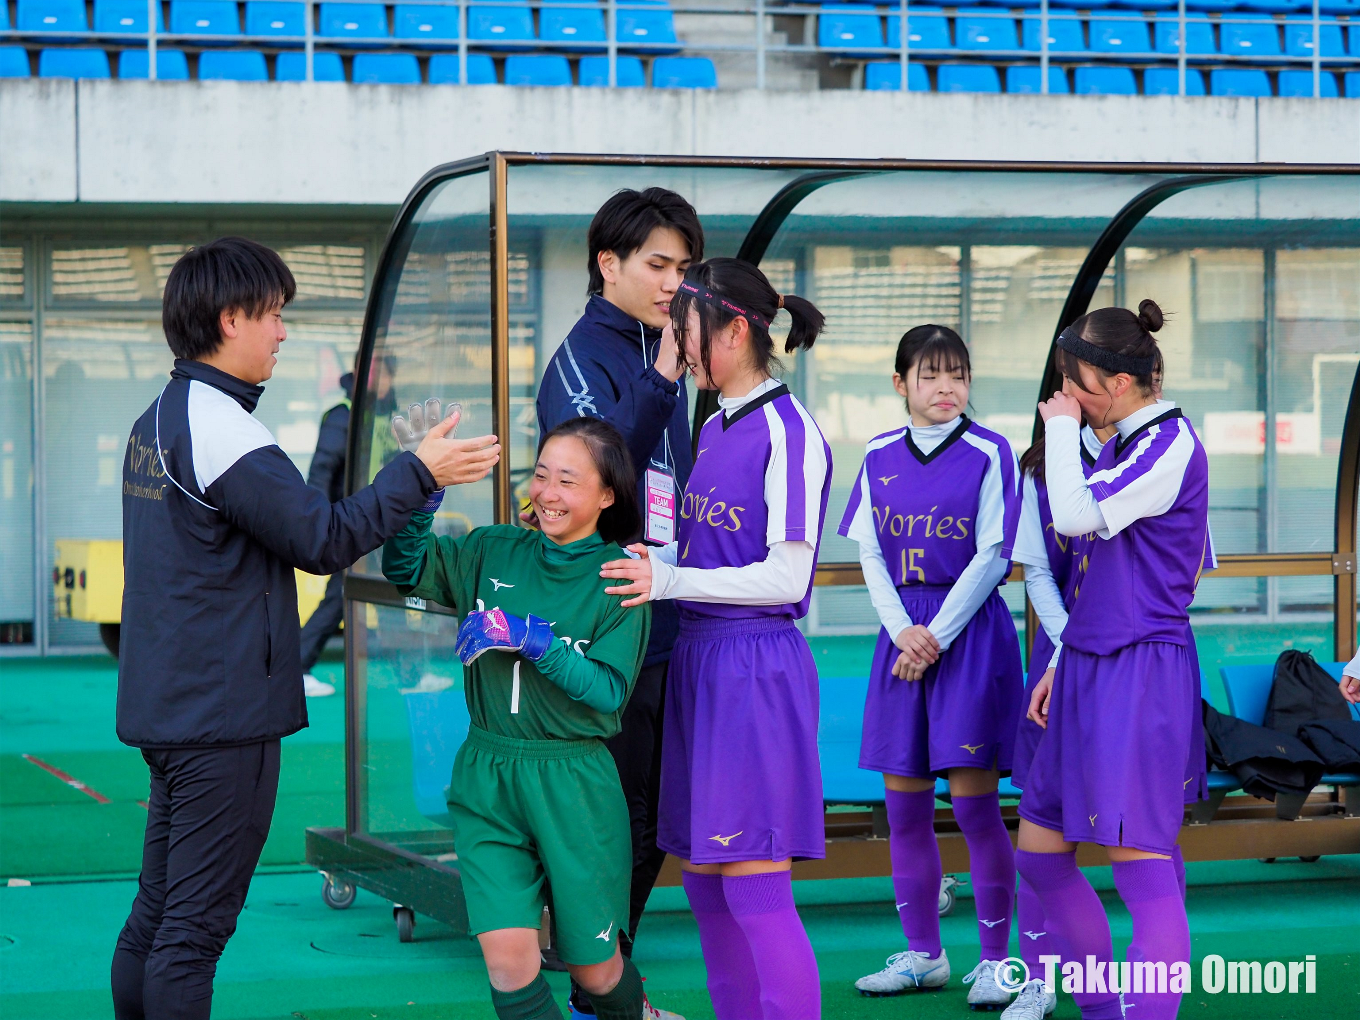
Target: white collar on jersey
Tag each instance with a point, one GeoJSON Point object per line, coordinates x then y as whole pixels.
{"type": "Point", "coordinates": [1091, 441]}
{"type": "Point", "coordinates": [1142, 416]}
{"type": "Point", "coordinates": [927, 437]}
{"type": "Point", "coordinates": [730, 404]}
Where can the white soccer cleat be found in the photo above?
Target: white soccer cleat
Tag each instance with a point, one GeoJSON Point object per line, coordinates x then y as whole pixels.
{"type": "Point", "coordinates": [986, 993]}
{"type": "Point", "coordinates": [650, 1012]}
{"type": "Point", "coordinates": [906, 971]}
{"type": "Point", "coordinates": [314, 688]}
{"type": "Point", "coordinates": [1033, 1002]}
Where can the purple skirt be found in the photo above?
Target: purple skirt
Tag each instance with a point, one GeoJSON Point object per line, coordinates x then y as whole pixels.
{"type": "Point", "coordinates": [1116, 764]}
{"type": "Point", "coordinates": [741, 779]}
{"type": "Point", "coordinates": [962, 713]}
{"type": "Point", "coordinates": [1028, 732]}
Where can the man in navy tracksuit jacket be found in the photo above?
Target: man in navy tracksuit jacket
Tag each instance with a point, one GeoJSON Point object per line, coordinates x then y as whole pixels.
{"type": "Point", "coordinates": [215, 518]}
{"type": "Point", "coordinates": [616, 365]}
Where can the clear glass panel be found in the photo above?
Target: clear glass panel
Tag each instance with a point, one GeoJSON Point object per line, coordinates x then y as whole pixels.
{"type": "Point", "coordinates": [13, 278]}
{"type": "Point", "coordinates": [416, 718]}
{"type": "Point", "coordinates": [306, 382]}
{"type": "Point", "coordinates": [102, 272]}
{"type": "Point", "coordinates": [16, 482]}
{"type": "Point", "coordinates": [433, 339]}
{"type": "Point", "coordinates": [327, 271]}
{"type": "Point", "coordinates": [990, 255]}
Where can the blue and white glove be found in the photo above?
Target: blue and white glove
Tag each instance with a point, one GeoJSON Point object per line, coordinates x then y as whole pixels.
{"type": "Point", "coordinates": [499, 631]}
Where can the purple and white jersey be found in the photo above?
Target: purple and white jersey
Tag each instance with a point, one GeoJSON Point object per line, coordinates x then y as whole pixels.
{"type": "Point", "coordinates": [1152, 487]}
{"type": "Point", "coordinates": [931, 513]}
{"type": "Point", "coordinates": [1038, 541]}
{"type": "Point", "coordinates": [763, 475]}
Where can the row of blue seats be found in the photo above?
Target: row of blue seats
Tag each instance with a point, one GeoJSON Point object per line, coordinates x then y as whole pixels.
{"type": "Point", "coordinates": [368, 68]}
{"type": "Point", "coordinates": [1248, 7]}
{"type": "Point", "coordinates": [504, 25]}
{"type": "Point", "coordinates": [1105, 80]}
{"type": "Point", "coordinates": [848, 28]}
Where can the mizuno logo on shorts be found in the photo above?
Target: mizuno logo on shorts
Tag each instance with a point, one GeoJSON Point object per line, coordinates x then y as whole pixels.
{"type": "Point", "coordinates": [724, 840]}
{"type": "Point", "coordinates": [604, 935]}
{"type": "Point", "coordinates": [972, 748]}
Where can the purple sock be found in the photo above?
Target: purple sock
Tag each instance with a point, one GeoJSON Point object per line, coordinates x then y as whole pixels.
{"type": "Point", "coordinates": [1076, 923]}
{"type": "Point", "coordinates": [1161, 932]}
{"type": "Point", "coordinates": [1178, 862]}
{"type": "Point", "coordinates": [991, 869]}
{"type": "Point", "coordinates": [1034, 939]}
{"type": "Point", "coordinates": [790, 988]}
{"type": "Point", "coordinates": [732, 982]}
{"type": "Point", "coordinates": [916, 870]}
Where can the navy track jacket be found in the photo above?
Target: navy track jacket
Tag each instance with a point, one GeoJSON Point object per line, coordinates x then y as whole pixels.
{"type": "Point", "coordinates": [215, 518]}
{"type": "Point", "coordinates": [604, 369]}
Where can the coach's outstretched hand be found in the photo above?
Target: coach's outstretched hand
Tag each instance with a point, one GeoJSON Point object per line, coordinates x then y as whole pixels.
{"type": "Point", "coordinates": [454, 461]}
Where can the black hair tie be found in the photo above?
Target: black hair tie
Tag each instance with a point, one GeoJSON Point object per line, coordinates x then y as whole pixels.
{"type": "Point", "coordinates": [1069, 341]}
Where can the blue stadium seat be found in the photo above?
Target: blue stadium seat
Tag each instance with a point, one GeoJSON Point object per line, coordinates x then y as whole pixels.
{"type": "Point", "coordinates": [927, 29]}
{"type": "Point", "coordinates": [684, 73]}
{"type": "Point", "coordinates": [986, 34]}
{"type": "Point", "coordinates": [537, 69]}
{"type": "Point", "coordinates": [276, 19]}
{"type": "Point", "coordinates": [1028, 79]}
{"type": "Point", "coordinates": [1085, 5]}
{"type": "Point", "coordinates": [1147, 5]}
{"type": "Point", "coordinates": [52, 18]}
{"type": "Point", "coordinates": [14, 62]}
{"type": "Point", "coordinates": [848, 27]}
{"type": "Point", "coordinates": [171, 65]}
{"type": "Point", "coordinates": [1270, 6]}
{"type": "Point", "coordinates": [4, 19]}
{"type": "Point", "coordinates": [1063, 36]}
{"type": "Point", "coordinates": [1210, 6]}
{"type": "Point", "coordinates": [353, 21]}
{"type": "Point", "coordinates": [648, 28]}
{"type": "Point", "coordinates": [968, 78]}
{"type": "Point", "coordinates": [1199, 35]}
{"type": "Point", "coordinates": [115, 17]}
{"type": "Point", "coordinates": [500, 26]}
{"type": "Point", "coordinates": [577, 28]}
{"type": "Point", "coordinates": [884, 75]}
{"type": "Point", "coordinates": [1353, 84]}
{"type": "Point", "coordinates": [1354, 33]}
{"type": "Point", "coordinates": [425, 24]}
{"type": "Point", "coordinates": [293, 67]}
{"type": "Point", "coordinates": [386, 69]}
{"type": "Point", "coordinates": [204, 17]}
{"type": "Point", "coordinates": [1244, 39]}
{"type": "Point", "coordinates": [1300, 83]}
{"type": "Point", "coordinates": [1120, 37]}
{"type": "Point", "coordinates": [628, 72]}
{"type": "Point", "coordinates": [481, 70]}
{"type": "Point", "coordinates": [1238, 81]}
{"type": "Point", "coordinates": [840, 724]}
{"type": "Point", "coordinates": [81, 62]}
{"type": "Point", "coordinates": [231, 65]}
{"type": "Point", "coordinates": [1105, 81]}
{"type": "Point", "coordinates": [1165, 81]}
{"type": "Point", "coordinates": [1298, 37]}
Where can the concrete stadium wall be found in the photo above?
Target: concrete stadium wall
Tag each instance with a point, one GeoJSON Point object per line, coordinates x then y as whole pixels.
{"type": "Point", "coordinates": [339, 144]}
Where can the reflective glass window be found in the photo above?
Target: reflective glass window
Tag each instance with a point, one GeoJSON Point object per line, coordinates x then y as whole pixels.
{"type": "Point", "coordinates": [16, 483]}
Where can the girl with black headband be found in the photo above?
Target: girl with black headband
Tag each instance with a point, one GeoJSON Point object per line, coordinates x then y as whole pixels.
{"type": "Point", "coordinates": [741, 786]}
{"type": "Point", "coordinates": [1117, 759]}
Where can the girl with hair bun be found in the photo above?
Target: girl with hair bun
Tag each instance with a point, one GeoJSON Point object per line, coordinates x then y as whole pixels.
{"type": "Point", "coordinates": [1120, 713]}
{"type": "Point", "coordinates": [741, 785]}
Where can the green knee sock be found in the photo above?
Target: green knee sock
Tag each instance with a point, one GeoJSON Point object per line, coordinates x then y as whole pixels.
{"type": "Point", "coordinates": [532, 1002]}
{"type": "Point", "coordinates": [625, 1001]}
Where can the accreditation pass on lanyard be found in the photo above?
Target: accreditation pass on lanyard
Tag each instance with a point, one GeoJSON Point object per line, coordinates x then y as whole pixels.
{"type": "Point", "coordinates": [660, 507]}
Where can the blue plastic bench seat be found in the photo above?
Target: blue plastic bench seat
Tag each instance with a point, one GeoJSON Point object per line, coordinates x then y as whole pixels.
{"type": "Point", "coordinates": [1199, 36]}
{"type": "Point", "coordinates": [481, 70]}
{"type": "Point", "coordinates": [1235, 81]}
{"type": "Point", "coordinates": [1243, 39]}
{"type": "Point", "coordinates": [231, 65]}
{"type": "Point", "coordinates": [1299, 82]}
{"type": "Point", "coordinates": [54, 19]}
{"type": "Point", "coordinates": [684, 73]}
{"type": "Point", "coordinates": [275, 19]}
{"type": "Point", "coordinates": [77, 62]}
{"type": "Point", "coordinates": [647, 29]}
{"type": "Point", "coordinates": [628, 72]}
{"type": "Point", "coordinates": [986, 34]}
{"type": "Point", "coordinates": [425, 24]}
{"type": "Point", "coordinates": [1063, 36]}
{"type": "Point", "coordinates": [886, 75]}
{"type": "Point", "coordinates": [293, 67]}
{"type": "Point", "coordinates": [576, 28]}
{"type": "Point", "coordinates": [1120, 37]}
{"type": "Point", "coordinates": [1298, 37]}
{"type": "Point", "coordinates": [204, 17]}
{"type": "Point", "coordinates": [171, 65]}
{"type": "Point", "coordinates": [386, 69]}
{"type": "Point", "coordinates": [1105, 81]}
{"type": "Point", "coordinates": [1165, 81]}
{"type": "Point", "coordinates": [847, 27]}
{"type": "Point", "coordinates": [927, 29]}
{"type": "Point", "coordinates": [500, 26]}
{"type": "Point", "coordinates": [1028, 79]}
{"type": "Point", "coordinates": [121, 17]}
{"type": "Point", "coordinates": [968, 78]}
{"type": "Point", "coordinates": [537, 69]}
{"type": "Point", "coordinates": [14, 62]}
{"type": "Point", "coordinates": [1222, 781]}
{"type": "Point", "coordinates": [353, 21]}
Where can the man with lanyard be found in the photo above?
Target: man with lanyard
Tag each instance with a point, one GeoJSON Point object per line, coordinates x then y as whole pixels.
{"type": "Point", "coordinates": [616, 365]}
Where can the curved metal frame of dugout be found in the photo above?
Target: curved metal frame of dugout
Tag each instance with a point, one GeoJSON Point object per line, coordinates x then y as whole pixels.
{"type": "Point", "coordinates": [411, 876]}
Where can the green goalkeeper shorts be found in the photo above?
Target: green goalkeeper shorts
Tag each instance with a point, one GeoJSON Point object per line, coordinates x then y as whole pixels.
{"type": "Point", "coordinates": [532, 812]}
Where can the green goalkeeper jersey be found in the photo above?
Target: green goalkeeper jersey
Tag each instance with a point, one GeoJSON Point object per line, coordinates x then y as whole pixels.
{"type": "Point", "coordinates": [522, 572]}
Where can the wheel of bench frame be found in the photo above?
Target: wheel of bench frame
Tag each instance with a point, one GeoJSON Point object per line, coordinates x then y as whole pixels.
{"type": "Point", "coordinates": [1313, 859]}
{"type": "Point", "coordinates": [947, 895]}
{"type": "Point", "coordinates": [406, 922]}
{"type": "Point", "coordinates": [337, 893]}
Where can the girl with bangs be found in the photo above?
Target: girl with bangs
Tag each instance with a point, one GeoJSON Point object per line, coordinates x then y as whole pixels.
{"type": "Point", "coordinates": [935, 511]}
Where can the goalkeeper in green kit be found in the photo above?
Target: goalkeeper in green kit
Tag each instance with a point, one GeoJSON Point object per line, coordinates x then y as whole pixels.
{"type": "Point", "coordinates": [550, 661]}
